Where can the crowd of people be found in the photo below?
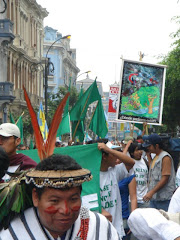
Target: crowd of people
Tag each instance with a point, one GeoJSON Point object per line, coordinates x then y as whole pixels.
{"type": "Point", "coordinates": [140, 197]}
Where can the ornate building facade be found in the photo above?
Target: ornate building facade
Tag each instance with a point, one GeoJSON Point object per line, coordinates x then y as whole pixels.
{"type": "Point", "coordinates": [63, 58]}
{"type": "Point", "coordinates": [26, 50]}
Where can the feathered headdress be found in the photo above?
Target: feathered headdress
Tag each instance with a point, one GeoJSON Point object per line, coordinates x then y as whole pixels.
{"type": "Point", "coordinates": [45, 149]}
{"type": "Point", "coordinates": [15, 194]}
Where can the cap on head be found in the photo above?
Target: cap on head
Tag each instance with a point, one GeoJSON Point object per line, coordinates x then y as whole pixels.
{"type": "Point", "coordinates": [152, 140]}
{"type": "Point", "coordinates": [9, 129]}
{"type": "Point", "coordinates": [110, 145]}
{"type": "Point", "coordinates": [127, 139]}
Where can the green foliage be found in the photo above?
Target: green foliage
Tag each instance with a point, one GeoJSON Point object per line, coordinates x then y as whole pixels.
{"type": "Point", "coordinates": [55, 99]}
{"type": "Point", "coordinates": [171, 110]}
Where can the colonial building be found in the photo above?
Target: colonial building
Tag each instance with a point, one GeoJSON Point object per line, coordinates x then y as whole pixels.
{"type": "Point", "coordinates": [86, 83]}
{"type": "Point", "coordinates": [63, 58]}
{"type": "Point", "coordinates": [26, 50]}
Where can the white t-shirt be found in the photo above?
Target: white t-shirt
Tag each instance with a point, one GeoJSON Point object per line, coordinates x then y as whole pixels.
{"type": "Point", "coordinates": [110, 194]}
{"type": "Point", "coordinates": [174, 206]}
{"type": "Point", "coordinates": [150, 224]}
{"type": "Point", "coordinates": [141, 172]}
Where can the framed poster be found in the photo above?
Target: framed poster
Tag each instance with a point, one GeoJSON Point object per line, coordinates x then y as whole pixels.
{"type": "Point", "coordinates": [141, 92]}
{"type": "Point", "coordinates": [113, 102]}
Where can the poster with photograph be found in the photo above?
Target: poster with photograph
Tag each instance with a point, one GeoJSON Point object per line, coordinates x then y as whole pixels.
{"type": "Point", "coordinates": [113, 102]}
{"type": "Point", "coordinates": [141, 92]}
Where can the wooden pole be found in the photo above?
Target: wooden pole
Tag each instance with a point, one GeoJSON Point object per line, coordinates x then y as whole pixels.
{"type": "Point", "coordinates": [19, 117]}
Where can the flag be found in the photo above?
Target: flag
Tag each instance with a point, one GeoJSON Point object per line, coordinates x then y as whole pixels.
{"type": "Point", "coordinates": [42, 122]}
{"type": "Point", "coordinates": [122, 127]}
{"type": "Point", "coordinates": [139, 125]}
{"type": "Point", "coordinates": [64, 126]}
{"type": "Point", "coordinates": [78, 112]}
{"type": "Point", "coordinates": [79, 134]}
{"type": "Point", "coordinates": [128, 126]}
{"type": "Point", "coordinates": [89, 157]}
{"type": "Point", "coordinates": [98, 123]}
{"type": "Point", "coordinates": [19, 123]}
{"type": "Point", "coordinates": [20, 126]}
{"type": "Point", "coordinates": [79, 131]}
{"type": "Point", "coordinates": [31, 145]}
{"type": "Point", "coordinates": [11, 118]}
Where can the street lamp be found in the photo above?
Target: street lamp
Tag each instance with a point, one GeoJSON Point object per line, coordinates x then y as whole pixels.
{"type": "Point", "coordinates": [47, 65]}
{"type": "Point", "coordinates": [80, 75]}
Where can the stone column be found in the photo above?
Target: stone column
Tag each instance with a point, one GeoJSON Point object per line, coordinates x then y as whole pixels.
{"type": "Point", "coordinates": [3, 60]}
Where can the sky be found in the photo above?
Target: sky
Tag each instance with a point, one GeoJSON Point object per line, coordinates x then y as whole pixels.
{"type": "Point", "coordinates": [104, 31]}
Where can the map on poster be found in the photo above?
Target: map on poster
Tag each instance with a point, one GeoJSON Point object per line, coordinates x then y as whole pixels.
{"type": "Point", "coordinates": [141, 92]}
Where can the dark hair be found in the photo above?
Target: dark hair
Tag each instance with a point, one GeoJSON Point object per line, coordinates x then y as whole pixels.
{"type": "Point", "coordinates": [58, 162]}
{"type": "Point", "coordinates": [132, 148]}
{"type": "Point", "coordinates": [4, 162]}
{"type": "Point", "coordinates": [139, 137]}
{"type": "Point", "coordinates": [101, 140]}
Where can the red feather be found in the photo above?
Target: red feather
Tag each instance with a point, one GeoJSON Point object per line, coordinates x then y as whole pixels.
{"type": "Point", "coordinates": [37, 132]}
{"type": "Point", "coordinates": [45, 149]}
{"type": "Point", "coordinates": [50, 143]}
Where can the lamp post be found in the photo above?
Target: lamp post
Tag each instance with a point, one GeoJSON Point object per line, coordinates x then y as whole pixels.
{"type": "Point", "coordinates": [80, 75]}
{"type": "Point", "coordinates": [47, 65]}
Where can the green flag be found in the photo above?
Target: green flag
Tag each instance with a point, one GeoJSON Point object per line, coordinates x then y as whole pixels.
{"type": "Point", "coordinates": [139, 125]}
{"type": "Point", "coordinates": [78, 112]}
{"type": "Point", "coordinates": [80, 129]}
{"type": "Point", "coordinates": [98, 123]}
{"type": "Point", "coordinates": [20, 126]}
{"type": "Point", "coordinates": [31, 146]}
{"type": "Point", "coordinates": [88, 156]}
{"type": "Point", "coordinates": [64, 126]}
{"type": "Point", "coordinates": [11, 118]}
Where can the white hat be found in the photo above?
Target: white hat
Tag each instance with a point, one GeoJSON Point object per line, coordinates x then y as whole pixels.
{"type": "Point", "coordinates": [9, 129]}
{"type": "Point", "coordinates": [110, 145]}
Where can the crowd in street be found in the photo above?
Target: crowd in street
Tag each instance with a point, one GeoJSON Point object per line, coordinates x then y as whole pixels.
{"type": "Point", "coordinates": [139, 192]}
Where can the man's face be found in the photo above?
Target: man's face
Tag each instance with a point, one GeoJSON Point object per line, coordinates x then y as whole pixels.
{"type": "Point", "coordinates": [9, 144]}
{"type": "Point", "coordinates": [58, 209]}
{"type": "Point", "coordinates": [111, 160]}
{"type": "Point", "coordinates": [152, 148]}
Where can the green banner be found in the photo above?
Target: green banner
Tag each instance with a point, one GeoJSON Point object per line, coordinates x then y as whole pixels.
{"type": "Point", "coordinates": [88, 156]}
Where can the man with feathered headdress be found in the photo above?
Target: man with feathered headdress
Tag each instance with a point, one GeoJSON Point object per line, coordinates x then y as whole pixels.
{"type": "Point", "coordinates": [56, 211]}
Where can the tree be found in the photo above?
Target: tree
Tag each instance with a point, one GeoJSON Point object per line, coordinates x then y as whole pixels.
{"type": "Point", "coordinates": [55, 99]}
{"type": "Point", "coordinates": [171, 109]}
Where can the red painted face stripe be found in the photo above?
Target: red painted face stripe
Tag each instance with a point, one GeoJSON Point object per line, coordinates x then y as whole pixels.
{"type": "Point", "coordinates": [76, 208]}
{"type": "Point", "coordinates": [51, 210]}
{"type": "Point", "coordinates": [66, 207]}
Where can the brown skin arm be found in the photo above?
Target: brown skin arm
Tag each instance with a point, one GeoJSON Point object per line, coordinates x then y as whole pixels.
{"type": "Point", "coordinates": [132, 194]}
{"type": "Point", "coordinates": [127, 147]}
{"type": "Point", "coordinates": [166, 172]}
{"type": "Point", "coordinates": [129, 162]}
{"type": "Point", "coordinates": [149, 158]}
{"type": "Point", "coordinates": [177, 238]}
{"type": "Point", "coordinates": [106, 214]}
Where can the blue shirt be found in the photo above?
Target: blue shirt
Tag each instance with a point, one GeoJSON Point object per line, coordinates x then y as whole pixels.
{"type": "Point", "coordinates": [124, 192]}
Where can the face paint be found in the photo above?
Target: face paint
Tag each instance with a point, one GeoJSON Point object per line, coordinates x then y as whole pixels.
{"type": "Point", "coordinates": [66, 208]}
{"type": "Point", "coordinates": [76, 208]}
{"type": "Point", "coordinates": [51, 210]}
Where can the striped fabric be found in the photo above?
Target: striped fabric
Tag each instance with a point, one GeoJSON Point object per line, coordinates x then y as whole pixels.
{"type": "Point", "coordinates": [28, 227]}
